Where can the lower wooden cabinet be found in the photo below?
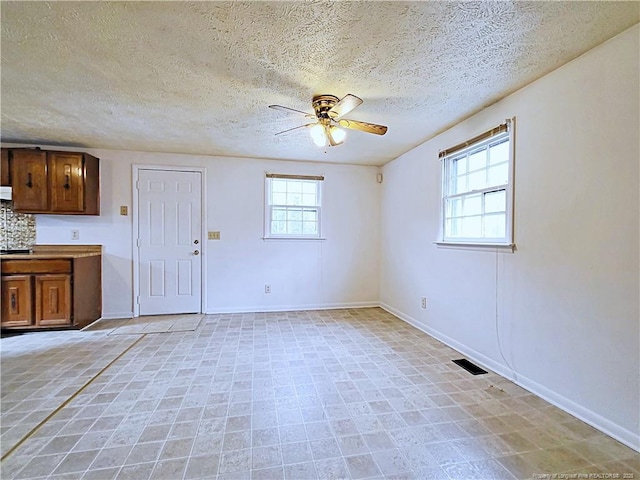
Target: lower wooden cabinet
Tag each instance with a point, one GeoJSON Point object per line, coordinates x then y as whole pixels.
{"type": "Point", "coordinates": [50, 293]}
{"type": "Point", "coordinates": [53, 300]}
{"type": "Point", "coordinates": [17, 301]}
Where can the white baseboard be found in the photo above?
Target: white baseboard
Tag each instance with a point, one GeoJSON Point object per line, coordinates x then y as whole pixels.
{"type": "Point", "coordinates": [116, 315]}
{"type": "Point", "coordinates": [594, 419]}
{"type": "Point", "coordinates": [292, 308]}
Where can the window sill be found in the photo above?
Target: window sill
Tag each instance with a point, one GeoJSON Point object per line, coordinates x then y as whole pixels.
{"type": "Point", "coordinates": [312, 239]}
{"type": "Point", "coordinates": [489, 247]}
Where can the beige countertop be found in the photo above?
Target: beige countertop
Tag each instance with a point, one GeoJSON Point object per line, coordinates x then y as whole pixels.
{"type": "Point", "coordinates": [42, 252]}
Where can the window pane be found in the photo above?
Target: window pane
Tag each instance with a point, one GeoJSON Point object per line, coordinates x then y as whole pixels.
{"type": "Point", "coordinates": [458, 185]}
{"type": "Point", "coordinates": [472, 227]}
{"type": "Point", "coordinates": [279, 214]}
{"type": "Point", "coordinates": [294, 198]}
{"type": "Point", "coordinates": [499, 175]}
{"type": "Point", "coordinates": [310, 215]}
{"type": "Point", "coordinates": [309, 187]}
{"type": "Point", "coordinates": [477, 180]}
{"type": "Point", "coordinates": [278, 185]}
{"type": "Point", "coordinates": [478, 160]}
{"type": "Point", "coordinates": [310, 228]}
{"type": "Point", "coordinates": [495, 201]}
{"type": "Point", "coordinates": [294, 227]}
{"type": "Point", "coordinates": [278, 228]}
{"type": "Point", "coordinates": [454, 207]}
{"type": "Point", "coordinates": [499, 153]}
{"type": "Point", "coordinates": [294, 186]}
{"type": "Point", "coordinates": [309, 199]}
{"type": "Point", "coordinates": [472, 205]}
{"type": "Point", "coordinates": [294, 214]}
{"type": "Point", "coordinates": [278, 198]}
{"type": "Point", "coordinates": [494, 226]}
{"type": "Point", "coordinates": [454, 227]}
{"type": "Point", "coordinates": [459, 166]}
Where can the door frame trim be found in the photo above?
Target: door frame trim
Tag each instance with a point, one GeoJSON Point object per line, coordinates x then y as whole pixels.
{"type": "Point", "coordinates": [135, 232]}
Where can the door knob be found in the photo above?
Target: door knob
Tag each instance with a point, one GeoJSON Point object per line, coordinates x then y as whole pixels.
{"type": "Point", "coordinates": [196, 242]}
{"type": "Point", "coordinates": [196, 252]}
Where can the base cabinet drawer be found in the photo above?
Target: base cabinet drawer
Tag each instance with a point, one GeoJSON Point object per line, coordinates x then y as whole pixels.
{"type": "Point", "coordinates": [53, 300]}
{"type": "Point", "coordinates": [17, 301]}
{"type": "Point", "coordinates": [36, 266]}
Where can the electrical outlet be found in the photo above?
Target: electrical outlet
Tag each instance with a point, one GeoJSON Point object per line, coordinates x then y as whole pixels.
{"type": "Point", "coordinates": [213, 235]}
{"type": "Point", "coordinates": [424, 302]}
{"type": "Point", "coordinates": [75, 234]}
{"type": "Point", "coordinates": [267, 289]}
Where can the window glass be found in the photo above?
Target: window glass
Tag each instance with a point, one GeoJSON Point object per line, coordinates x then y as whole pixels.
{"type": "Point", "coordinates": [476, 192]}
{"type": "Point", "coordinates": [292, 208]}
{"type": "Point", "coordinates": [495, 201]}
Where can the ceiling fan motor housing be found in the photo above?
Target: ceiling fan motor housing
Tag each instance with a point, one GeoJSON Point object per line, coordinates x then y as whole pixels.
{"type": "Point", "coordinates": [322, 104]}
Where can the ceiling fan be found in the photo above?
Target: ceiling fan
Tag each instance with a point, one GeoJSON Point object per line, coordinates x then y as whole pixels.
{"type": "Point", "coordinates": [329, 111]}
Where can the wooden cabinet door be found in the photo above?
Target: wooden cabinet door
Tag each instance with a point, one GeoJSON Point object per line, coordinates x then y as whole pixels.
{"type": "Point", "coordinates": [53, 300]}
{"type": "Point", "coordinates": [66, 177]}
{"type": "Point", "coordinates": [29, 180]}
{"type": "Point", "coordinates": [5, 179]}
{"type": "Point", "coordinates": [16, 301]}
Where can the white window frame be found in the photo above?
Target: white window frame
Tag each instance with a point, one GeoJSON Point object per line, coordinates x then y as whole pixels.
{"type": "Point", "coordinates": [506, 242]}
{"type": "Point", "coordinates": [268, 207]}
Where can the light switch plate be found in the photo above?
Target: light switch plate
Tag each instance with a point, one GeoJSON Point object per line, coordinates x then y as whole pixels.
{"type": "Point", "coordinates": [213, 235]}
{"type": "Point", "coordinates": [124, 210]}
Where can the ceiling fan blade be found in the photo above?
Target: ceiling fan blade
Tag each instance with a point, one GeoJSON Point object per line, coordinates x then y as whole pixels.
{"type": "Point", "coordinates": [296, 128]}
{"type": "Point", "coordinates": [292, 110]}
{"type": "Point", "coordinates": [344, 106]}
{"type": "Point", "coordinates": [363, 126]}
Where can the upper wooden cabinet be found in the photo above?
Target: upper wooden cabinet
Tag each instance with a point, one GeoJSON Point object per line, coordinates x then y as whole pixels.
{"type": "Point", "coordinates": [5, 178]}
{"type": "Point", "coordinates": [55, 182]}
{"type": "Point", "coordinates": [29, 182]}
{"type": "Point", "coordinates": [66, 177]}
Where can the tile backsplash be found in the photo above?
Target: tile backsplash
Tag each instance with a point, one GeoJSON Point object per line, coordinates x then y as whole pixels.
{"type": "Point", "coordinates": [17, 230]}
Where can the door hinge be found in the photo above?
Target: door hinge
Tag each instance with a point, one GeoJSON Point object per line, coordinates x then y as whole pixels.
{"type": "Point", "coordinates": [138, 242]}
{"type": "Point", "coordinates": [137, 184]}
{"type": "Point", "coordinates": [138, 299]}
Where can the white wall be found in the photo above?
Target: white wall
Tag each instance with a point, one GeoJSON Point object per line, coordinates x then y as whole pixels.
{"type": "Point", "coordinates": [565, 304]}
{"type": "Point", "coordinates": [342, 270]}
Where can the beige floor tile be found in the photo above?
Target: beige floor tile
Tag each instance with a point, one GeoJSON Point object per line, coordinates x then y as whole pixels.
{"type": "Point", "coordinates": [314, 394]}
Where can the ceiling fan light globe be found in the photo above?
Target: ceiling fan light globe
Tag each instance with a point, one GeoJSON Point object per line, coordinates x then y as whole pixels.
{"type": "Point", "coordinates": [318, 136]}
{"type": "Point", "coordinates": [338, 134]}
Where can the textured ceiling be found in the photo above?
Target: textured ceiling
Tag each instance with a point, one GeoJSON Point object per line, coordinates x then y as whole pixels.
{"type": "Point", "coordinates": [197, 77]}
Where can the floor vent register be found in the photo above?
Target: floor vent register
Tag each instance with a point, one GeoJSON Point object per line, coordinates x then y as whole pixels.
{"type": "Point", "coordinates": [470, 367]}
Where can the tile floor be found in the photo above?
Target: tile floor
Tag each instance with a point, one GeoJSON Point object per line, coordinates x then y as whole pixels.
{"type": "Point", "coordinates": [318, 394]}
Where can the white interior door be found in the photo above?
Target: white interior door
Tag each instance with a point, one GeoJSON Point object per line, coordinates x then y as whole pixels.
{"type": "Point", "coordinates": [169, 243]}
